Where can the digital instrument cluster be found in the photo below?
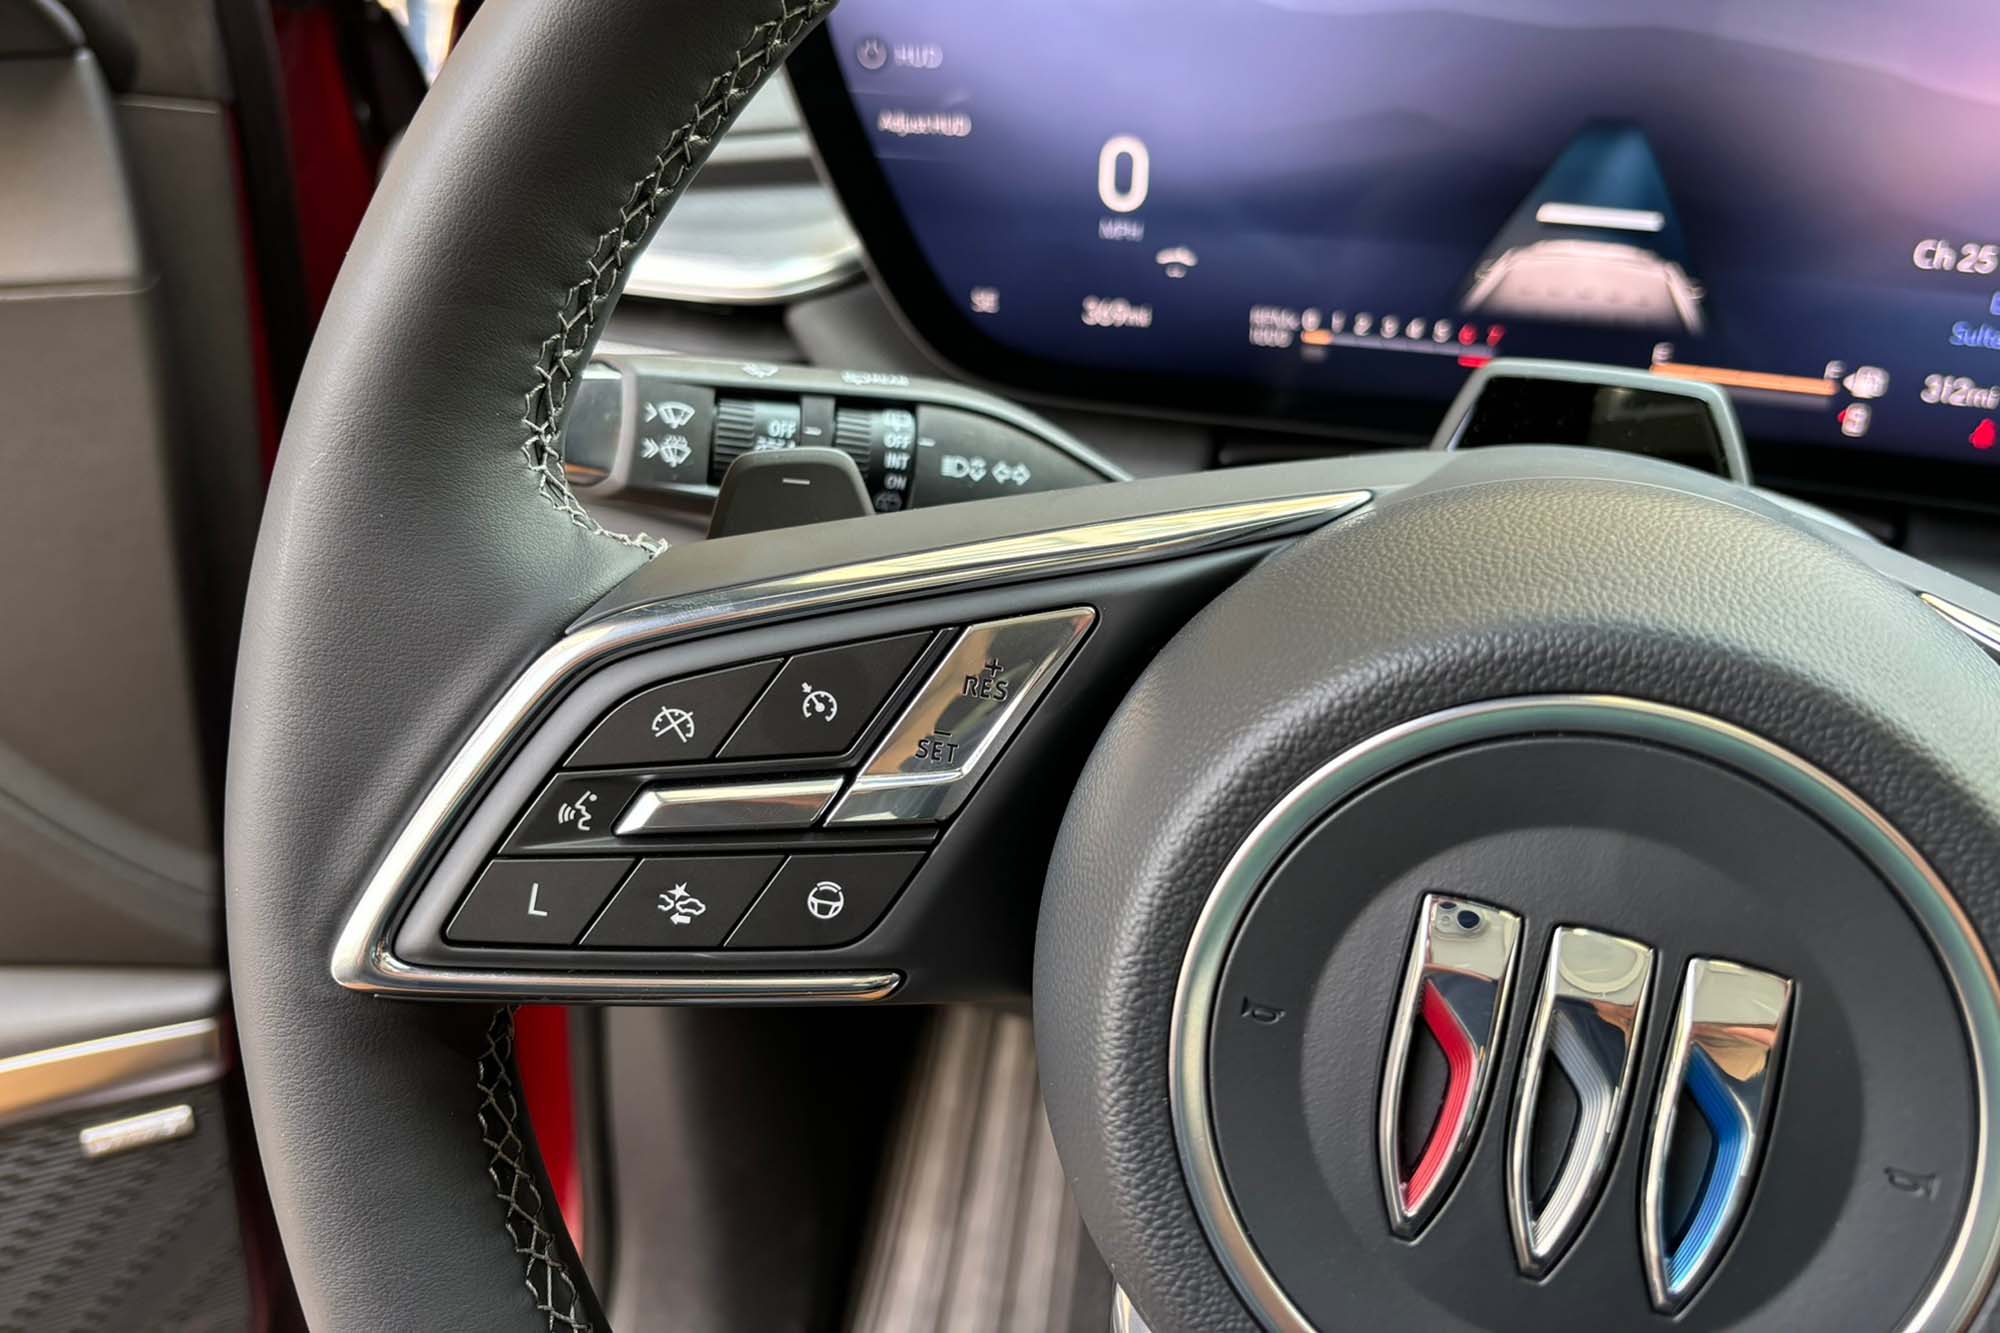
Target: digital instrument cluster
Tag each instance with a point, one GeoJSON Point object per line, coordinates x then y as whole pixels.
{"type": "Point", "coordinates": [1278, 207]}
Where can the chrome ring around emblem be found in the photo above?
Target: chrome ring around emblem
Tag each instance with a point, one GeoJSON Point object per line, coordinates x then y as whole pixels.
{"type": "Point", "coordinates": [1967, 1272]}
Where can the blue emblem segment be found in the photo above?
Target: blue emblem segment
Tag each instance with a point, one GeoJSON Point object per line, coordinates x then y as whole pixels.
{"type": "Point", "coordinates": [1722, 1054]}
{"type": "Point", "coordinates": [1726, 1174]}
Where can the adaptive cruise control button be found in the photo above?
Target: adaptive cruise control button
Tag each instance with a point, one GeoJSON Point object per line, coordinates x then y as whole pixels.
{"type": "Point", "coordinates": [820, 901]}
{"type": "Point", "coordinates": [534, 902]}
{"type": "Point", "coordinates": [821, 700]}
{"type": "Point", "coordinates": [681, 902]}
{"type": "Point", "coordinates": [974, 700]}
{"type": "Point", "coordinates": [680, 721]}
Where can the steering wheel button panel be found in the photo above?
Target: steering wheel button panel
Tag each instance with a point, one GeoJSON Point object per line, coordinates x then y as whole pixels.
{"type": "Point", "coordinates": [820, 901]}
{"type": "Point", "coordinates": [821, 700]}
{"type": "Point", "coordinates": [711, 807]}
{"type": "Point", "coordinates": [534, 902]}
{"type": "Point", "coordinates": [682, 721]}
{"type": "Point", "coordinates": [681, 902]}
{"type": "Point", "coordinates": [963, 716]}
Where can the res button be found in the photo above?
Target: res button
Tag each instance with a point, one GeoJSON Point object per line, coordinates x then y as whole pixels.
{"type": "Point", "coordinates": [678, 722]}
{"type": "Point", "coordinates": [935, 754]}
{"type": "Point", "coordinates": [820, 702]}
{"type": "Point", "coordinates": [534, 902]}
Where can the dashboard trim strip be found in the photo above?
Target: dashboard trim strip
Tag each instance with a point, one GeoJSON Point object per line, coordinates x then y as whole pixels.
{"type": "Point", "coordinates": [364, 958]}
{"type": "Point", "coordinates": [114, 1068]}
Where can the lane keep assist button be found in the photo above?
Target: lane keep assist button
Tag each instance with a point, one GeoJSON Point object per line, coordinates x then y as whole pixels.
{"type": "Point", "coordinates": [975, 699]}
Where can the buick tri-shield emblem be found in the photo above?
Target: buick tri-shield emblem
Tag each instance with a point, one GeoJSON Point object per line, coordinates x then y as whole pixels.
{"type": "Point", "coordinates": [1585, 1030]}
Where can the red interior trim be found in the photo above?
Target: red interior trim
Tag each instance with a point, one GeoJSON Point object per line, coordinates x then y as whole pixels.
{"type": "Point", "coordinates": [541, 1049]}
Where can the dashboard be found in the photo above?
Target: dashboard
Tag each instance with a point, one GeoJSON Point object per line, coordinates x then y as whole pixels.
{"type": "Point", "coordinates": [1335, 210]}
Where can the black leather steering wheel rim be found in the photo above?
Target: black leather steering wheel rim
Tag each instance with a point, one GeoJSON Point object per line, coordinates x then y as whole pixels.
{"type": "Point", "coordinates": [419, 545]}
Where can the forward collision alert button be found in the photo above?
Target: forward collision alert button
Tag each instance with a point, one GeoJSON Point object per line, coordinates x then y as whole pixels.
{"type": "Point", "coordinates": [975, 699]}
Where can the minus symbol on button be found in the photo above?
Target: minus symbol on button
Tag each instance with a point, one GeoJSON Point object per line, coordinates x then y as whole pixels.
{"type": "Point", "coordinates": [796, 481]}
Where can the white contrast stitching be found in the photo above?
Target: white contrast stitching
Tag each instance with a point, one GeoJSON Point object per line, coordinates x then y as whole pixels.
{"type": "Point", "coordinates": [558, 366]}
{"type": "Point", "coordinates": [557, 1295]}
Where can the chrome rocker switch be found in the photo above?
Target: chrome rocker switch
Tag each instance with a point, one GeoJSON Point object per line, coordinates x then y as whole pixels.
{"type": "Point", "coordinates": [725, 806]}
{"type": "Point", "coordinates": [974, 700]}
{"type": "Point", "coordinates": [1722, 1054]}
{"type": "Point", "coordinates": [1455, 984]}
{"type": "Point", "coordinates": [1586, 1021]}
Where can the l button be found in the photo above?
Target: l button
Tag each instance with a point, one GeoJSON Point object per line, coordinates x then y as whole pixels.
{"type": "Point", "coordinates": [534, 902]}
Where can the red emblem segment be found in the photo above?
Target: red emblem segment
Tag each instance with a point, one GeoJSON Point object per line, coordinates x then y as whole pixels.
{"type": "Point", "coordinates": [1458, 1050]}
{"type": "Point", "coordinates": [1455, 983]}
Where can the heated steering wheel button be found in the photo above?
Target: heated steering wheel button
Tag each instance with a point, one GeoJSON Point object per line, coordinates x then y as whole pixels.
{"type": "Point", "coordinates": [820, 702]}
{"type": "Point", "coordinates": [679, 722]}
{"type": "Point", "coordinates": [534, 902]}
{"type": "Point", "coordinates": [681, 902]}
{"type": "Point", "coordinates": [817, 902]}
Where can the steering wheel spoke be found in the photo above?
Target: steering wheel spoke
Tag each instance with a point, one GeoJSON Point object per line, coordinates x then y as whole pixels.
{"type": "Point", "coordinates": [821, 784]}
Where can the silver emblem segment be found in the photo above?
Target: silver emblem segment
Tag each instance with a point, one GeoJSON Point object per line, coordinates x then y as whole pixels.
{"type": "Point", "coordinates": [1587, 1018]}
{"type": "Point", "coordinates": [1727, 1038]}
{"type": "Point", "coordinates": [1455, 982]}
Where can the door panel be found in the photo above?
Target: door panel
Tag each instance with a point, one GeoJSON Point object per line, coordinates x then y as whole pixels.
{"type": "Point", "coordinates": [131, 446]}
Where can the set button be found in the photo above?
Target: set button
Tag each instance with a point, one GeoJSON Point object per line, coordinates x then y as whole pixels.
{"type": "Point", "coordinates": [962, 717]}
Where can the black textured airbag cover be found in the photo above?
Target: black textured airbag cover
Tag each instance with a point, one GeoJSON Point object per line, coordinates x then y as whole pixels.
{"type": "Point", "coordinates": [1486, 583]}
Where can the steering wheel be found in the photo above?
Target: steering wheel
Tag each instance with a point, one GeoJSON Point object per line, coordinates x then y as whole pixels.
{"type": "Point", "coordinates": [1433, 850]}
